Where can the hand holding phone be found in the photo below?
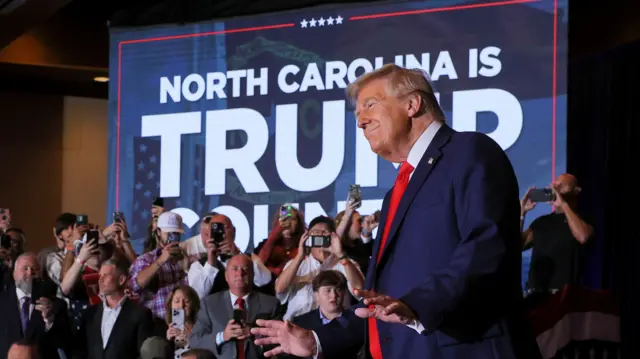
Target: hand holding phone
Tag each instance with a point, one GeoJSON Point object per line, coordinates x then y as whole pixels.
{"type": "Point", "coordinates": [286, 211]}
{"type": "Point", "coordinates": [541, 195]}
{"type": "Point", "coordinates": [5, 218]}
{"type": "Point", "coordinates": [355, 195]}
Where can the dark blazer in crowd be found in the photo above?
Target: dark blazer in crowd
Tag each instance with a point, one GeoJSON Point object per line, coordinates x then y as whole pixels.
{"type": "Point", "coordinates": [133, 326]}
{"type": "Point", "coordinates": [48, 341]}
{"type": "Point", "coordinates": [215, 312]}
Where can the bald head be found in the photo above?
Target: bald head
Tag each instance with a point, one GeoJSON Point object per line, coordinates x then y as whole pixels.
{"type": "Point", "coordinates": [239, 274]}
{"type": "Point", "coordinates": [23, 351]}
{"type": "Point", "coordinates": [567, 183]}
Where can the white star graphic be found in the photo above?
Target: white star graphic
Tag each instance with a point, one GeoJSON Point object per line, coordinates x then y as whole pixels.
{"type": "Point", "coordinates": [330, 21]}
{"type": "Point", "coordinates": [339, 19]}
{"type": "Point", "coordinates": [313, 22]}
{"type": "Point", "coordinates": [321, 22]}
{"type": "Point", "coordinates": [303, 23]}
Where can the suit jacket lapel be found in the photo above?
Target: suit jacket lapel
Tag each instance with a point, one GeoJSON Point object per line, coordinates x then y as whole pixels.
{"type": "Point", "coordinates": [252, 313]}
{"type": "Point", "coordinates": [369, 279]}
{"type": "Point", "coordinates": [420, 174]}
{"type": "Point", "coordinates": [96, 328]}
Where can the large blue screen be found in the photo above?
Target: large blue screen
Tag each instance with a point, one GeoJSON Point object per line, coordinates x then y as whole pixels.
{"type": "Point", "coordinates": [240, 116]}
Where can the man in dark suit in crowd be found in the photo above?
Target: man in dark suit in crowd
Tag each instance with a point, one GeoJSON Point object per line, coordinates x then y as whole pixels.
{"type": "Point", "coordinates": [444, 278]}
{"type": "Point", "coordinates": [223, 322]}
{"type": "Point", "coordinates": [117, 327]}
{"type": "Point", "coordinates": [42, 320]}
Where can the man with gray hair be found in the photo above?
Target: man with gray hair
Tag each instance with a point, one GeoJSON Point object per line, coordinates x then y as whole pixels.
{"type": "Point", "coordinates": [444, 278]}
{"type": "Point", "coordinates": [31, 311]}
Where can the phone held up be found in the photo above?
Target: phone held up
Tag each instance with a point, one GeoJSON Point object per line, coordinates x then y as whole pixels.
{"type": "Point", "coordinates": [541, 195]}
{"type": "Point", "coordinates": [318, 242]}
{"type": "Point", "coordinates": [355, 194]}
{"type": "Point", "coordinates": [177, 318]}
{"type": "Point", "coordinates": [5, 241]}
{"type": "Point", "coordinates": [118, 217]}
{"type": "Point", "coordinates": [217, 232]}
{"type": "Point", "coordinates": [286, 211]}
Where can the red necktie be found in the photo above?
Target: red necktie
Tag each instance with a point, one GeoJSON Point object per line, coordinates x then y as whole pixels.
{"type": "Point", "coordinates": [396, 195]}
{"type": "Point", "coordinates": [240, 343]}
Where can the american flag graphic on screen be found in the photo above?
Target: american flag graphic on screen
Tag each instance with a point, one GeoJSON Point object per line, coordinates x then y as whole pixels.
{"type": "Point", "coordinates": [147, 185]}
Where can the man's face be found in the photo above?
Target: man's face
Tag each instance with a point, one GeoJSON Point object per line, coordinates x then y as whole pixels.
{"type": "Point", "coordinates": [330, 299]}
{"type": "Point", "coordinates": [17, 243]}
{"type": "Point", "coordinates": [383, 118]}
{"type": "Point", "coordinates": [156, 211]}
{"type": "Point", "coordinates": [66, 234]}
{"type": "Point", "coordinates": [26, 269]}
{"type": "Point", "coordinates": [239, 273]}
{"type": "Point", "coordinates": [110, 282]}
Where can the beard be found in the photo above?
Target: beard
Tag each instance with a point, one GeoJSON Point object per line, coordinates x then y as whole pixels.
{"type": "Point", "coordinates": [25, 285]}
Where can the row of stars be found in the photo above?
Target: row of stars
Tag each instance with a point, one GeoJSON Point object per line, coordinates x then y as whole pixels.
{"type": "Point", "coordinates": [321, 22]}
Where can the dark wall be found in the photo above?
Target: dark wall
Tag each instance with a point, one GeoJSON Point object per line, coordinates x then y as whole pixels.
{"type": "Point", "coordinates": [31, 162]}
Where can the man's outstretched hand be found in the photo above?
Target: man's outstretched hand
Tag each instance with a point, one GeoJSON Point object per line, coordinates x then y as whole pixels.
{"type": "Point", "coordinates": [385, 308]}
{"type": "Point", "coordinates": [290, 338]}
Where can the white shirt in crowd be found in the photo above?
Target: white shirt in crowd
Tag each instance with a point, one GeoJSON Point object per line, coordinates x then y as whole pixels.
{"type": "Point", "coordinates": [109, 317]}
{"type": "Point", "coordinates": [299, 295]}
{"type": "Point", "coordinates": [201, 277]}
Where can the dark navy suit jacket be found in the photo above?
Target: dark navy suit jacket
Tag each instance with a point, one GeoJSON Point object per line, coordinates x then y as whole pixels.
{"type": "Point", "coordinates": [453, 255]}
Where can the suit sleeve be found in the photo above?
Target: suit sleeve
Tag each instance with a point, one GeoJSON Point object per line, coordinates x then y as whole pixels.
{"type": "Point", "coordinates": [203, 334]}
{"type": "Point", "coordinates": [80, 349]}
{"type": "Point", "coordinates": [485, 192]}
{"type": "Point", "coordinates": [145, 327]}
{"type": "Point", "coordinates": [59, 336]}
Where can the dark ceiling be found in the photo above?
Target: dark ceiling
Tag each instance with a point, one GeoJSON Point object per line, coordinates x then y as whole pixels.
{"type": "Point", "coordinates": [60, 46]}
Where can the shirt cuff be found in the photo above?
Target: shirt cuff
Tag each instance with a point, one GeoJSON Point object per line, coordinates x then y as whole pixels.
{"type": "Point", "coordinates": [209, 270]}
{"type": "Point", "coordinates": [417, 326]}
{"type": "Point", "coordinates": [318, 353]}
{"type": "Point", "coordinates": [366, 240]}
{"type": "Point", "coordinates": [219, 338]}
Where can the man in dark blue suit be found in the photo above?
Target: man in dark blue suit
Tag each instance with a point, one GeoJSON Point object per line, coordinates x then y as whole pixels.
{"type": "Point", "coordinates": [444, 279]}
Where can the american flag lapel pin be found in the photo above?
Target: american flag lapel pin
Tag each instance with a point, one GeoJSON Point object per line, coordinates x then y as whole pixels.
{"type": "Point", "coordinates": [430, 160]}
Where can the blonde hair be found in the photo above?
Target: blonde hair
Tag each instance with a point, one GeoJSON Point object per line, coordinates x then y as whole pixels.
{"type": "Point", "coordinates": [401, 82]}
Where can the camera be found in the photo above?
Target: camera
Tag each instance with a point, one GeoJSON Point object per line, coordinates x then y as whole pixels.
{"type": "Point", "coordinates": [217, 232]}
{"type": "Point", "coordinates": [318, 242]}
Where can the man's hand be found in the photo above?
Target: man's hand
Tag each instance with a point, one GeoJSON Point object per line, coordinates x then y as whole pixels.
{"type": "Point", "coordinates": [235, 331]}
{"type": "Point", "coordinates": [526, 204]}
{"type": "Point", "coordinates": [385, 308]}
{"type": "Point", "coordinates": [44, 306]}
{"type": "Point", "coordinates": [169, 251]}
{"type": "Point", "coordinates": [369, 223]}
{"type": "Point", "coordinates": [560, 200]}
{"type": "Point", "coordinates": [290, 338]}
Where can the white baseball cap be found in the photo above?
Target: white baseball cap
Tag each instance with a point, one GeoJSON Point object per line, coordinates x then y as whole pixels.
{"type": "Point", "coordinates": [170, 222]}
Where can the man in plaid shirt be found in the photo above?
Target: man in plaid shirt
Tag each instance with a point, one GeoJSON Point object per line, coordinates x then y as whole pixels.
{"type": "Point", "coordinates": [155, 274]}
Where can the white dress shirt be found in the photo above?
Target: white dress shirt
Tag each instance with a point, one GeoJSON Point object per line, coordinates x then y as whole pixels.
{"type": "Point", "coordinates": [109, 317]}
{"type": "Point", "coordinates": [300, 296]}
{"type": "Point", "coordinates": [415, 155]}
{"type": "Point", "coordinates": [201, 277]}
{"type": "Point", "coordinates": [21, 297]}
{"type": "Point", "coordinates": [193, 245]}
{"type": "Point", "coordinates": [220, 335]}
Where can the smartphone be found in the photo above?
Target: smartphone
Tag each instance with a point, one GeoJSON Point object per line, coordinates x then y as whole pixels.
{"type": "Point", "coordinates": [173, 237]}
{"type": "Point", "coordinates": [239, 317]}
{"type": "Point", "coordinates": [177, 318]}
{"type": "Point", "coordinates": [93, 234]}
{"type": "Point", "coordinates": [286, 211]}
{"type": "Point", "coordinates": [217, 232]}
{"type": "Point", "coordinates": [5, 215]}
{"type": "Point", "coordinates": [82, 220]}
{"type": "Point", "coordinates": [118, 217]}
{"type": "Point", "coordinates": [318, 242]}
{"type": "Point", "coordinates": [355, 194]}
{"type": "Point", "coordinates": [376, 216]}
{"type": "Point", "coordinates": [541, 195]}
{"type": "Point", "coordinates": [37, 289]}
